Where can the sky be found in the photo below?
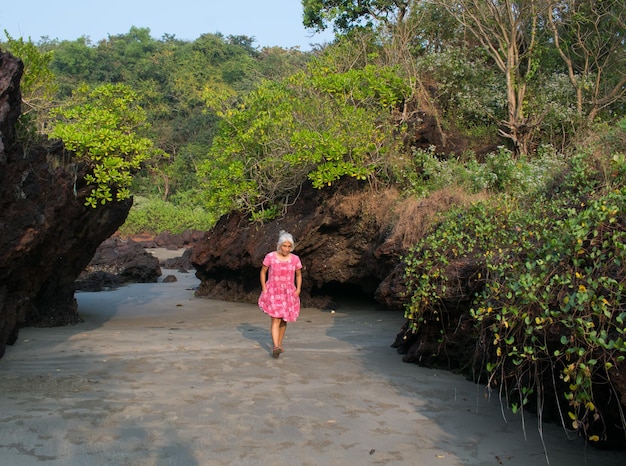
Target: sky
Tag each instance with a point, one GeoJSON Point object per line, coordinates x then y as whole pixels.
{"type": "Point", "coordinates": [270, 22]}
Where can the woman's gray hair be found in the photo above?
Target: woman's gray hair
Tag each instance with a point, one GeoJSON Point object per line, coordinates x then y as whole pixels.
{"type": "Point", "coordinates": [283, 236]}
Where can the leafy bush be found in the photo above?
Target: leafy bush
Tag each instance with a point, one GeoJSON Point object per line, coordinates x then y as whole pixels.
{"type": "Point", "coordinates": [319, 126]}
{"type": "Point", "coordinates": [100, 127]}
{"type": "Point", "coordinates": [500, 172]}
{"type": "Point", "coordinates": [561, 277]}
{"type": "Point", "coordinates": [554, 288]}
{"type": "Point", "coordinates": [554, 97]}
{"type": "Point", "coordinates": [468, 90]}
{"type": "Point", "coordinates": [153, 215]}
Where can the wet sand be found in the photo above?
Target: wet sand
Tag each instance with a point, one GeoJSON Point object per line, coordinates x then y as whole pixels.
{"type": "Point", "coordinates": [155, 376]}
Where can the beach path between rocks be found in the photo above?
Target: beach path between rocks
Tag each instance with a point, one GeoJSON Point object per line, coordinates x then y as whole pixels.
{"type": "Point", "coordinates": [156, 376]}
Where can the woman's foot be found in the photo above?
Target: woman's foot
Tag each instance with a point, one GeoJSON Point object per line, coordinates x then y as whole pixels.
{"type": "Point", "coordinates": [276, 351]}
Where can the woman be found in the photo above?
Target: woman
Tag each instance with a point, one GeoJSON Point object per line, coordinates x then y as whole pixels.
{"type": "Point", "coordinates": [280, 297]}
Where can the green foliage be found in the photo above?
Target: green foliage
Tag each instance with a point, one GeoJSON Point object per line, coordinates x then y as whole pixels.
{"type": "Point", "coordinates": [563, 279]}
{"type": "Point", "coordinates": [38, 85]}
{"type": "Point", "coordinates": [611, 139]}
{"type": "Point", "coordinates": [346, 15]}
{"type": "Point", "coordinates": [275, 62]}
{"type": "Point", "coordinates": [469, 90]}
{"type": "Point", "coordinates": [154, 215]}
{"type": "Point", "coordinates": [554, 97]}
{"type": "Point", "coordinates": [347, 95]}
{"type": "Point", "coordinates": [318, 125]}
{"type": "Point", "coordinates": [173, 79]}
{"type": "Point", "coordinates": [100, 126]}
{"type": "Point", "coordinates": [500, 172]}
{"type": "Point", "coordinates": [552, 266]}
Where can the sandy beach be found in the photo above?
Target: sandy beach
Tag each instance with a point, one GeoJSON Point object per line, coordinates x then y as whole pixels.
{"type": "Point", "coordinates": [155, 376]}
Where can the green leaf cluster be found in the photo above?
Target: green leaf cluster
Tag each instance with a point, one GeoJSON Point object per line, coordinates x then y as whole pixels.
{"type": "Point", "coordinates": [100, 126]}
{"type": "Point", "coordinates": [317, 125]}
{"type": "Point", "coordinates": [38, 86]}
{"type": "Point", "coordinates": [427, 171]}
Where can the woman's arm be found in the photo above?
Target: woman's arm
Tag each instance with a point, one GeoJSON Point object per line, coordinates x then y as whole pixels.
{"type": "Point", "coordinates": [298, 281]}
{"type": "Point", "coordinates": [263, 277]}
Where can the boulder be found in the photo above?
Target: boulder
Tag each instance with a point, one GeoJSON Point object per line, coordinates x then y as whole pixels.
{"type": "Point", "coordinates": [123, 259]}
{"type": "Point", "coordinates": [182, 263]}
{"type": "Point", "coordinates": [168, 240]}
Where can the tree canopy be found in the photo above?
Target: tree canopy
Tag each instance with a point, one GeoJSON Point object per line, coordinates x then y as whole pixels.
{"type": "Point", "coordinates": [317, 125]}
{"type": "Point", "coordinates": [345, 15]}
{"type": "Point", "coordinates": [100, 126]}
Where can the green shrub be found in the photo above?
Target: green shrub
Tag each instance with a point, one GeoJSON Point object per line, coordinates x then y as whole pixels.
{"type": "Point", "coordinates": [153, 215]}
{"type": "Point", "coordinates": [562, 277]}
{"type": "Point", "coordinates": [550, 265]}
{"type": "Point", "coordinates": [318, 126]}
{"type": "Point", "coordinates": [499, 173]}
{"type": "Point", "coordinates": [101, 127]}
{"type": "Point", "coordinates": [468, 90]}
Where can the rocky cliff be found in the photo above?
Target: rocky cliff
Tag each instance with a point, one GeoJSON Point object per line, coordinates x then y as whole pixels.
{"type": "Point", "coordinates": [47, 235]}
{"type": "Point", "coordinates": [350, 239]}
{"type": "Point", "coordinates": [338, 238]}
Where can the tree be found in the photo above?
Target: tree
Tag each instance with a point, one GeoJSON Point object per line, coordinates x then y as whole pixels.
{"type": "Point", "coordinates": [348, 14]}
{"type": "Point", "coordinates": [73, 62]}
{"type": "Point", "coordinates": [589, 37]}
{"type": "Point", "coordinates": [320, 125]}
{"type": "Point", "coordinates": [101, 127]}
{"type": "Point", "coordinates": [509, 32]}
{"type": "Point", "coordinates": [38, 84]}
{"type": "Point", "coordinates": [277, 62]}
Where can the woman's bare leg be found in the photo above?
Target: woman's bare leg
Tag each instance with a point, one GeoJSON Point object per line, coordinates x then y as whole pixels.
{"type": "Point", "coordinates": [275, 330]}
{"type": "Point", "coordinates": [281, 333]}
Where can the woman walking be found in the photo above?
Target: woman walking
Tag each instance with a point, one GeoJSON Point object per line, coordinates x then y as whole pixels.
{"type": "Point", "coordinates": [281, 282]}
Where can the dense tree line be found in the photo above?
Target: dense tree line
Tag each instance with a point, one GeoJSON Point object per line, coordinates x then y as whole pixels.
{"type": "Point", "coordinates": [172, 79]}
{"type": "Point", "coordinates": [524, 75]}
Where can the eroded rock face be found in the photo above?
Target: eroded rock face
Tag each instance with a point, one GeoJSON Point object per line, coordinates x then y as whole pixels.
{"type": "Point", "coordinates": [117, 262]}
{"type": "Point", "coordinates": [342, 237]}
{"type": "Point", "coordinates": [47, 235]}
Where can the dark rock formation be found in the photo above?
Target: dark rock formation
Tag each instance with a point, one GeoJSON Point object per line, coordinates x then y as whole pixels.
{"type": "Point", "coordinates": [170, 240]}
{"type": "Point", "coordinates": [47, 234]}
{"type": "Point", "coordinates": [343, 237]}
{"type": "Point", "coordinates": [118, 262]}
{"type": "Point", "coordinates": [121, 260]}
{"type": "Point", "coordinates": [182, 263]}
{"type": "Point", "coordinates": [98, 280]}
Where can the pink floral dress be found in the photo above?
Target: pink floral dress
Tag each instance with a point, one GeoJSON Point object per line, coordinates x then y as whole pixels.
{"type": "Point", "coordinates": [280, 299]}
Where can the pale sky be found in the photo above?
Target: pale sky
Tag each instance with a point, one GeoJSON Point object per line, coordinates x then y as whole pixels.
{"type": "Point", "coordinates": [271, 22]}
